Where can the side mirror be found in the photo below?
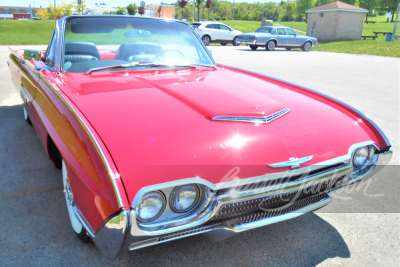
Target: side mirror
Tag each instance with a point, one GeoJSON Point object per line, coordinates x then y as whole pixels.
{"type": "Point", "coordinates": [209, 50]}
{"type": "Point", "coordinates": [33, 55]}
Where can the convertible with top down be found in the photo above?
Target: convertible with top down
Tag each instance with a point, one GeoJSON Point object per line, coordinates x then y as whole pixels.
{"type": "Point", "coordinates": [157, 142]}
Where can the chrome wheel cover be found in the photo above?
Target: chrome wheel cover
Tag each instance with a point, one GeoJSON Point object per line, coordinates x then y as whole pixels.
{"type": "Point", "coordinates": [69, 198]}
{"type": "Point", "coordinates": [307, 46]}
{"type": "Point", "coordinates": [206, 40]}
{"type": "Point", "coordinates": [271, 45]}
{"type": "Point", "coordinates": [25, 113]}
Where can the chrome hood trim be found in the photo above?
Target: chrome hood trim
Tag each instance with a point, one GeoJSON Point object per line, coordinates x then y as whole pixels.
{"type": "Point", "coordinates": [253, 119]}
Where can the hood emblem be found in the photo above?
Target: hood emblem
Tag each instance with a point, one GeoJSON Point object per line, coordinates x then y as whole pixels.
{"type": "Point", "coordinates": [292, 162]}
{"type": "Point", "coordinates": [254, 119]}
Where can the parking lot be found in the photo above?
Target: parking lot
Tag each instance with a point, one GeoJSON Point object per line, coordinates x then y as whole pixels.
{"type": "Point", "coordinates": [35, 227]}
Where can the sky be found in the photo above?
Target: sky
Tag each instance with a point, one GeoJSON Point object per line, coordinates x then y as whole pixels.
{"type": "Point", "coordinates": [91, 3]}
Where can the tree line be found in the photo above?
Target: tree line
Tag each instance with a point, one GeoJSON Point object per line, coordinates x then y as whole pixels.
{"type": "Point", "coordinates": [290, 10]}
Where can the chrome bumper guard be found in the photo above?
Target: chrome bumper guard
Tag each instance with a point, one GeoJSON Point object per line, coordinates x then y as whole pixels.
{"type": "Point", "coordinates": [226, 215]}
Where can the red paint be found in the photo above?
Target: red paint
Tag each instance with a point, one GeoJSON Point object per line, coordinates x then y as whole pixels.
{"type": "Point", "coordinates": [107, 54]}
{"type": "Point", "coordinates": [157, 120]}
{"type": "Point", "coordinates": [155, 126]}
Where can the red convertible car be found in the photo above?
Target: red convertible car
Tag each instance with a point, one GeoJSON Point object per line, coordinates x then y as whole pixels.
{"type": "Point", "coordinates": [158, 142]}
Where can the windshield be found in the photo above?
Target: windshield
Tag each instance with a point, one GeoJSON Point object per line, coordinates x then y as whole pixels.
{"type": "Point", "coordinates": [264, 29]}
{"type": "Point", "coordinates": [100, 42]}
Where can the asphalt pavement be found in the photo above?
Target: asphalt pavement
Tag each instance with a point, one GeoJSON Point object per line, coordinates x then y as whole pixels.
{"type": "Point", "coordinates": [362, 231]}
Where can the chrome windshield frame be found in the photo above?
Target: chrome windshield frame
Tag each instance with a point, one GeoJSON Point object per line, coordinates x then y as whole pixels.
{"type": "Point", "coordinates": [60, 29]}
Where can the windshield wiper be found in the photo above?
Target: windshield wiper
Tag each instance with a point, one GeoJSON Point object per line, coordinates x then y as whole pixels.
{"type": "Point", "coordinates": [150, 64]}
{"type": "Point", "coordinates": [114, 66]}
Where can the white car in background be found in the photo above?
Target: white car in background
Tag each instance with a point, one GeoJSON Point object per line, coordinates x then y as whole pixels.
{"type": "Point", "coordinates": [216, 32]}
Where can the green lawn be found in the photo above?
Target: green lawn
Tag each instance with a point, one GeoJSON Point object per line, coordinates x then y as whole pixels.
{"type": "Point", "coordinates": [17, 32]}
{"type": "Point", "coordinates": [39, 32]}
{"type": "Point", "coordinates": [302, 26]}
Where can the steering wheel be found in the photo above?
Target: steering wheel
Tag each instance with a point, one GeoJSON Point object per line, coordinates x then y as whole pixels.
{"type": "Point", "coordinates": [176, 51]}
{"type": "Point", "coordinates": [133, 53]}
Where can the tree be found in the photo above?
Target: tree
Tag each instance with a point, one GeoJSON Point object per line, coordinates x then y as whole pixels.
{"type": "Point", "coordinates": [208, 6]}
{"type": "Point", "coordinates": [53, 11]}
{"type": "Point", "coordinates": [105, 13]}
{"type": "Point", "coordinates": [141, 11]}
{"type": "Point", "coordinates": [159, 11]}
{"type": "Point", "coordinates": [43, 14]}
{"type": "Point", "coordinates": [121, 11]}
{"type": "Point", "coordinates": [132, 9]}
{"type": "Point", "coordinates": [198, 2]}
{"type": "Point", "coordinates": [182, 4]}
{"type": "Point", "coordinates": [391, 6]}
{"type": "Point", "coordinates": [368, 4]}
{"type": "Point", "coordinates": [67, 8]}
{"type": "Point", "coordinates": [351, 2]}
{"type": "Point", "coordinates": [80, 8]}
{"type": "Point", "coordinates": [290, 10]}
{"type": "Point", "coordinates": [303, 5]}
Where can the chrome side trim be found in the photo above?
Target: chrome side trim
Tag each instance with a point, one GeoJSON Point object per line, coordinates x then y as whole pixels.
{"type": "Point", "coordinates": [325, 95]}
{"type": "Point", "coordinates": [111, 174]}
{"type": "Point", "coordinates": [254, 119]}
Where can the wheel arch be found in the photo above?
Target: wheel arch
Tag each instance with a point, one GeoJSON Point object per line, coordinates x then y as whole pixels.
{"type": "Point", "coordinates": [70, 137]}
{"type": "Point", "coordinates": [272, 39]}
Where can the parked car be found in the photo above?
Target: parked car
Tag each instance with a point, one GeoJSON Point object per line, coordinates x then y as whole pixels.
{"type": "Point", "coordinates": [216, 32]}
{"type": "Point", "coordinates": [277, 36]}
{"type": "Point", "coordinates": [157, 142]}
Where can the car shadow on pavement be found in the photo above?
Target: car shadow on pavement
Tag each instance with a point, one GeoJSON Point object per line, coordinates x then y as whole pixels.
{"type": "Point", "coordinates": [304, 241]}
{"type": "Point", "coordinates": [36, 230]}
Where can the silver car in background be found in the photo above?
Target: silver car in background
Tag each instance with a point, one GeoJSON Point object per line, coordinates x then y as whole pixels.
{"type": "Point", "coordinates": [274, 36]}
{"type": "Point", "coordinates": [216, 32]}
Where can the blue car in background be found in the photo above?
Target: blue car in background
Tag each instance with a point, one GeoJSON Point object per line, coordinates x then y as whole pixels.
{"type": "Point", "coordinates": [277, 36]}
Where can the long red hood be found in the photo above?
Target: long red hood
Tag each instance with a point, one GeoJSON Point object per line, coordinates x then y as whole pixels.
{"type": "Point", "coordinates": [157, 124]}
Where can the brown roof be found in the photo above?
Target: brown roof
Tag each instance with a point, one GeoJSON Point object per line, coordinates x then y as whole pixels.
{"type": "Point", "coordinates": [336, 5]}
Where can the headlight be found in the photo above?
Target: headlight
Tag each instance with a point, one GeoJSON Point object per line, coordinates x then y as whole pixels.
{"type": "Point", "coordinates": [151, 206]}
{"type": "Point", "coordinates": [184, 198]}
{"type": "Point", "coordinates": [360, 157]}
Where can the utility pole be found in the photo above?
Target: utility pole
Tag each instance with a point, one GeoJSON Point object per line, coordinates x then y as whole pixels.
{"type": "Point", "coordinates": [193, 9]}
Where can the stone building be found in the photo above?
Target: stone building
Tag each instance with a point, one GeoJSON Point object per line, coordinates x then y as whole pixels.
{"type": "Point", "coordinates": [336, 21]}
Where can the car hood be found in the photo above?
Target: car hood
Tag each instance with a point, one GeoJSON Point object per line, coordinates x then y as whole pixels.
{"type": "Point", "coordinates": [158, 127]}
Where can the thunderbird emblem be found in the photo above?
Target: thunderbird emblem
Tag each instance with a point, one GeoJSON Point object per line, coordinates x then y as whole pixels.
{"type": "Point", "coordinates": [292, 162]}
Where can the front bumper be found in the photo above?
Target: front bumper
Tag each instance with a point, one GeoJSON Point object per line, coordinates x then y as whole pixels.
{"type": "Point", "coordinates": [228, 213]}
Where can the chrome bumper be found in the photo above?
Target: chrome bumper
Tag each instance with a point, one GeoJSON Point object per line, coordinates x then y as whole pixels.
{"type": "Point", "coordinates": [124, 232]}
{"type": "Point", "coordinates": [248, 42]}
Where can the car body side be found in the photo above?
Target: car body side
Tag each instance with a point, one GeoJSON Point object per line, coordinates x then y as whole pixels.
{"type": "Point", "coordinates": [202, 30]}
{"type": "Point", "coordinates": [261, 39]}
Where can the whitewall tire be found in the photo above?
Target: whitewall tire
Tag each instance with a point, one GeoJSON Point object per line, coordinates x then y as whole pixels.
{"type": "Point", "coordinates": [69, 199]}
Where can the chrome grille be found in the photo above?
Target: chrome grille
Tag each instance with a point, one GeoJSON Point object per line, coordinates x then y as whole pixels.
{"type": "Point", "coordinates": [254, 119]}
{"type": "Point", "coordinates": [274, 202]}
{"type": "Point", "coordinates": [255, 216]}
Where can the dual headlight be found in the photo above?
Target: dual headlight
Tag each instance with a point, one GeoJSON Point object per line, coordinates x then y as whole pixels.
{"type": "Point", "coordinates": [362, 156]}
{"type": "Point", "coordinates": [182, 199]}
